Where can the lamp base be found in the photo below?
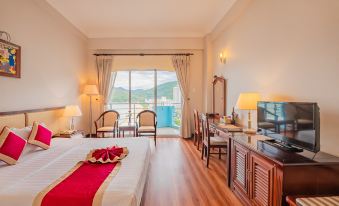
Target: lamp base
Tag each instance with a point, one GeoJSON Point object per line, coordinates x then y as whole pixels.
{"type": "Point", "coordinates": [71, 125]}
{"type": "Point", "coordinates": [249, 131]}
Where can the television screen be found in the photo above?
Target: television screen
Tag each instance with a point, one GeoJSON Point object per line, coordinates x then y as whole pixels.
{"type": "Point", "coordinates": [291, 123]}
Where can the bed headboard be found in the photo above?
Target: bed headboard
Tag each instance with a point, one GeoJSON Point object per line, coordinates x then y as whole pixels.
{"type": "Point", "coordinates": [12, 120]}
{"type": "Point", "coordinates": [52, 117]}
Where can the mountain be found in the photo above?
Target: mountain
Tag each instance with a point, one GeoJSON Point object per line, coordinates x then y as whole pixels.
{"type": "Point", "coordinates": [120, 95]}
{"type": "Point", "coordinates": [139, 95]}
{"type": "Point", "coordinates": [166, 89]}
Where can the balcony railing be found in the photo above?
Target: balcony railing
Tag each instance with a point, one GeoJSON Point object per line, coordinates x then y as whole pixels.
{"type": "Point", "coordinates": [168, 114]}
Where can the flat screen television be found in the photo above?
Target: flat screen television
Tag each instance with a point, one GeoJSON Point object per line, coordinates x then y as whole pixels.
{"type": "Point", "coordinates": [291, 123]}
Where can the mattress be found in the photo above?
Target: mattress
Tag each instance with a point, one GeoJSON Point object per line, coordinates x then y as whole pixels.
{"type": "Point", "coordinates": [36, 169]}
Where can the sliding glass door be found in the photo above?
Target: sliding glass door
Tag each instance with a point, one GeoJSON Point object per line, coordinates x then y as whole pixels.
{"type": "Point", "coordinates": [142, 91]}
{"type": "Point", "coordinates": [155, 90]}
{"type": "Point", "coordinates": [168, 99]}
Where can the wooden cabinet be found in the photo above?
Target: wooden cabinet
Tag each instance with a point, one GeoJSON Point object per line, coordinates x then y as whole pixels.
{"type": "Point", "coordinates": [263, 175]}
{"type": "Point", "coordinates": [261, 181]}
{"type": "Point", "coordinates": [253, 177]}
{"type": "Point", "coordinates": [240, 171]}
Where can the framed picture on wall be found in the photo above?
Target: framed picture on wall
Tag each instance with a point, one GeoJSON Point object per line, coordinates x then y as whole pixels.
{"type": "Point", "coordinates": [9, 59]}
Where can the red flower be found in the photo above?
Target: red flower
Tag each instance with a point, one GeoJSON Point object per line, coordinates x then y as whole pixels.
{"type": "Point", "coordinates": [109, 154]}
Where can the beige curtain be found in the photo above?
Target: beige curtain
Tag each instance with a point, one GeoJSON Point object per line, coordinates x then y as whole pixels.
{"type": "Point", "coordinates": [181, 65]}
{"type": "Point", "coordinates": [106, 79]}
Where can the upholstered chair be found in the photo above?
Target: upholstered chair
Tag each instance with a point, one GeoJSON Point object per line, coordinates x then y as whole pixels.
{"type": "Point", "coordinates": [210, 142]}
{"type": "Point", "coordinates": [107, 123]}
{"type": "Point", "coordinates": [147, 124]}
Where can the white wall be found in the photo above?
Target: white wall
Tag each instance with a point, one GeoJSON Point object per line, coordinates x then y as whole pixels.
{"type": "Point", "coordinates": [53, 57]}
{"type": "Point", "coordinates": [286, 50]}
{"type": "Point", "coordinates": [153, 45]}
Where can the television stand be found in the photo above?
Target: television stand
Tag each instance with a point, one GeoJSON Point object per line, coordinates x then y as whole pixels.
{"type": "Point", "coordinates": [282, 146]}
{"type": "Point", "coordinates": [261, 174]}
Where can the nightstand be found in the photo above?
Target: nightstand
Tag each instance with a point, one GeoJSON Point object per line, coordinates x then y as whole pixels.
{"type": "Point", "coordinates": [75, 134]}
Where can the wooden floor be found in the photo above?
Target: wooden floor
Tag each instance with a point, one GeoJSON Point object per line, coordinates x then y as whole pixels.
{"type": "Point", "coordinates": [178, 176]}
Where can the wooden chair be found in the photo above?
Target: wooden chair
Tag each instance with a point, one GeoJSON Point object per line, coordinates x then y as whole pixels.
{"type": "Point", "coordinates": [147, 124]}
{"type": "Point", "coordinates": [108, 122]}
{"type": "Point", "coordinates": [197, 129]}
{"type": "Point", "coordinates": [210, 142]}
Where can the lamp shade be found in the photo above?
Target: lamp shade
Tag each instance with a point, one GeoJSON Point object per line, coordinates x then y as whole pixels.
{"type": "Point", "coordinates": [72, 111]}
{"type": "Point", "coordinates": [91, 89]}
{"type": "Point", "coordinates": [248, 101]}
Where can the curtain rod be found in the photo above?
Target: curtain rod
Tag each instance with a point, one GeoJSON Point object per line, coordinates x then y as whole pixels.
{"type": "Point", "coordinates": [145, 54]}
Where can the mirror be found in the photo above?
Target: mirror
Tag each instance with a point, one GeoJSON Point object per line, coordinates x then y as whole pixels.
{"type": "Point", "coordinates": [219, 96]}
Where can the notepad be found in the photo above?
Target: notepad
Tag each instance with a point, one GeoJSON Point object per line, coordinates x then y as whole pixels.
{"type": "Point", "coordinates": [230, 127]}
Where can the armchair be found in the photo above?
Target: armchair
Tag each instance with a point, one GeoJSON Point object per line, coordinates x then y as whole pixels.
{"type": "Point", "coordinates": [108, 122]}
{"type": "Point", "coordinates": [147, 124]}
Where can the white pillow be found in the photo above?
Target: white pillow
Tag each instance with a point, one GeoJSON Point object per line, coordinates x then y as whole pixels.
{"type": "Point", "coordinates": [24, 133]}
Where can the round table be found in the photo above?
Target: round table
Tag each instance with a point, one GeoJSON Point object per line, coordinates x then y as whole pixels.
{"type": "Point", "coordinates": [127, 127]}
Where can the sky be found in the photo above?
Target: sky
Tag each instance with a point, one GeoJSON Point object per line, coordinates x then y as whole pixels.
{"type": "Point", "coordinates": [143, 79]}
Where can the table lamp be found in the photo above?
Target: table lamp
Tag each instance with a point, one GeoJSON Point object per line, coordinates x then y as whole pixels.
{"type": "Point", "coordinates": [91, 90]}
{"type": "Point", "coordinates": [72, 111]}
{"type": "Point", "coordinates": [248, 101]}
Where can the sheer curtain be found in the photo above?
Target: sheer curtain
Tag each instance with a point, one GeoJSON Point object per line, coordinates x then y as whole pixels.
{"type": "Point", "coordinates": [106, 79]}
{"type": "Point", "coordinates": [181, 64]}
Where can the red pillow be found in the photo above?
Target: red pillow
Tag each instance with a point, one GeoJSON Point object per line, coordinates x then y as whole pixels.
{"type": "Point", "coordinates": [11, 146]}
{"type": "Point", "coordinates": [40, 136]}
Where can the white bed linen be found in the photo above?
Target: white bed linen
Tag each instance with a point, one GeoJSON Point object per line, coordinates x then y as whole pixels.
{"type": "Point", "coordinates": [20, 183]}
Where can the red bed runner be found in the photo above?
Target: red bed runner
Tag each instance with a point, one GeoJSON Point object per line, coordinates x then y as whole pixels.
{"type": "Point", "coordinates": [84, 184]}
{"type": "Point", "coordinates": [80, 186]}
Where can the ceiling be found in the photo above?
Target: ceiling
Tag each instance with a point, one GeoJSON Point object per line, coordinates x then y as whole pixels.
{"type": "Point", "coordinates": [143, 18]}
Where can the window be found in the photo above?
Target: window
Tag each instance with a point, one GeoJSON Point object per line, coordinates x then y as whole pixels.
{"type": "Point", "coordinates": [168, 99]}
{"type": "Point", "coordinates": [155, 90]}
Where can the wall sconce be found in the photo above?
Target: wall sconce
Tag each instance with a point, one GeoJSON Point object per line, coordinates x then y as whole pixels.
{"type": "Point", "coordinates": [222, 57]}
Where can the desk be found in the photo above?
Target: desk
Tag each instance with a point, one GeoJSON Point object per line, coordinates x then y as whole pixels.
{"type": "Point", "coordinates": [223, 130]}
{"type": "Point", "coordinates": [127, 127]}
{"type": "Point", "coordinates": [262, 175]}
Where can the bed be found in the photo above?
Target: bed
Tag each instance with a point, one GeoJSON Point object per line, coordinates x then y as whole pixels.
{"type": "Point", "coordinates": [36, 169]}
